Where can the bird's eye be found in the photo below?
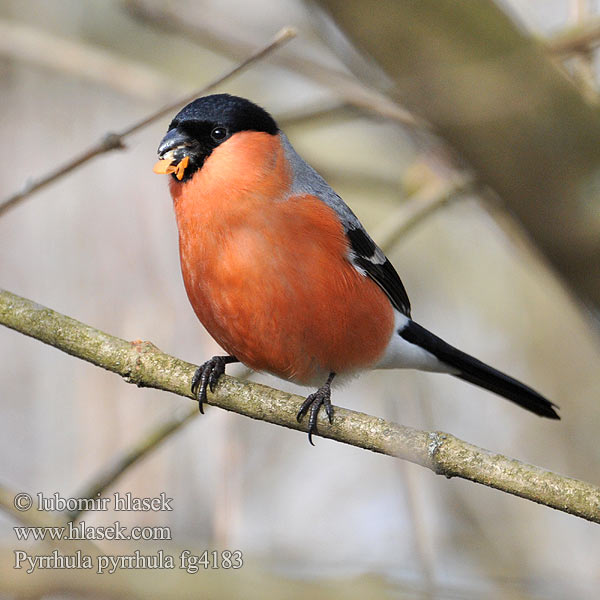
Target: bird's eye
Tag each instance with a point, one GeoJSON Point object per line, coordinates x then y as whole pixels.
{"type": "Point", "coordinates": [218, 133]}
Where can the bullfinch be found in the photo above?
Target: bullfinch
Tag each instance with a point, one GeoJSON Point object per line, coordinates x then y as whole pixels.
{"type": "Point", "coordinates": [281, 272]}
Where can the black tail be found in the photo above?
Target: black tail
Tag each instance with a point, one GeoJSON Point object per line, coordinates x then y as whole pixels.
{"type": "Point", "coordinates": [474, 371]}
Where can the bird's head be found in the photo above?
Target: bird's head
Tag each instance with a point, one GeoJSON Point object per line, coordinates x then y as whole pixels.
{"type": "Point", "coordinates": [202, 126]}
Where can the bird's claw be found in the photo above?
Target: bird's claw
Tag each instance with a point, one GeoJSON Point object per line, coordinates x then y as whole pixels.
{"type": "Point", "coordinates": [207, 376]}
{"type": "Point", "coordinates": [322, 397]}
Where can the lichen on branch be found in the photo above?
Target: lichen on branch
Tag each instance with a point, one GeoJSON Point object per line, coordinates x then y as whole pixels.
{"type": "Point", "coordinates": [145, 365]}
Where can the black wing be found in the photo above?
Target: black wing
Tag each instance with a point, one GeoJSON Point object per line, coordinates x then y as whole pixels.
{"type": "Point", "coordinates": [371, 259]}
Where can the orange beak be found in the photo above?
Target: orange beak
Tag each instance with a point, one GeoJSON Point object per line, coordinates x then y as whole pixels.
{"type": "Point", "coordinates": [165, 167]}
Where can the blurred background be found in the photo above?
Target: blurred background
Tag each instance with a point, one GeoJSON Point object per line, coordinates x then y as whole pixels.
{"type": "Point", "coordinates": [465, 137]}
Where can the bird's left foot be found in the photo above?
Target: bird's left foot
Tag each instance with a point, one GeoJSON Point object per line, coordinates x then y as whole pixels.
{"type": "Point", "coordinates": [322, 397]}
{"type": "Point", "coordinates": [207, 376]}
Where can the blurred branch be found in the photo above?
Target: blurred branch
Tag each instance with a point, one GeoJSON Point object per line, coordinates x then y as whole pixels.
{"type": "Point", "coordinates": [493, 94]}
{"type": "Point", "coordinates": [421, 206]}
{"type": "Point", "coordinates": [146, 366]}
{"type": "Point", "coordinates": [114, 141]}
{"type": "Point", "coordinates": [146, 444]}
{"type": "Point", "coordinates": [218, 38]}
{"type": "Point", "coordinates": [39, 47]}
{"type": "Point", "coordinates": [134, 453]}
{"type": "Point", "coordinates": [580, 66]}
{"type": "Point", "coordinates": [310, 114]}
{"type": "Point", "coordinates": [582, 38]}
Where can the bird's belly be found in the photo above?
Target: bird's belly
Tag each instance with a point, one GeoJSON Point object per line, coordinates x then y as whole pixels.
{"type": "Point", "coordinates": [286, 302]}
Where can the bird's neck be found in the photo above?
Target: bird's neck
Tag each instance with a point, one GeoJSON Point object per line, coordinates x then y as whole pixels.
{"type": "Point", "coordinates": [236, 187]}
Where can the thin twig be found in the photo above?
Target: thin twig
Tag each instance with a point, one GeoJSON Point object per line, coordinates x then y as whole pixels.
{"type": "Point", "coordinates": [345, 87]}
{"type": "Point", "coordinates": [418, 208]}
{"type": "Point", "coordinates": [146, 366]}
{"type": "Point", "coordinates": [133, 454]}
{"type": "Point", "coordinates": [311, 114]}
{"type": "Point", "coordinates": [143, 446]}
{"type": "Point", "coordinates": [114, 141]}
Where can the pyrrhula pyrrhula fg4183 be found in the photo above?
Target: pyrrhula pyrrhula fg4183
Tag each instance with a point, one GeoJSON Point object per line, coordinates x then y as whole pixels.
{"type": "Point", "coordinates": [281, 272]}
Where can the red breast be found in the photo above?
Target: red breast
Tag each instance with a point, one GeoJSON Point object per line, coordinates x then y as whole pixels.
{"type": "Point", "coordinates": [267, 273]}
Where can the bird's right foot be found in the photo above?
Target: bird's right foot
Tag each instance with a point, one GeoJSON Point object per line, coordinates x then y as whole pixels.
{"type": "Point", "coordinates": [207, 376]}
{"type": "Point", "coordinates": [322, 397]}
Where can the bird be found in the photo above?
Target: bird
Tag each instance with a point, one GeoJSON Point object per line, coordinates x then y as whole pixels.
{"type": "Point", "coordinates": [281, 272]}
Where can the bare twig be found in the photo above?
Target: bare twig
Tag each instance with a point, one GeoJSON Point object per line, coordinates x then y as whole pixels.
{"type": "Point", "coordinates": [345, 87]}
{"type": "Point", "coordinates": [133, 454]}
{"type": "Point", "coordinates": [114, 141]}
{"type": "Point", "coordinates": [331, 112]}
{"type": "Point", "coordinates": [146, 366]}
{"type": "Point", "coordinates": [147, 443]}
{"type": "Point", "coordinates": [421, 206]}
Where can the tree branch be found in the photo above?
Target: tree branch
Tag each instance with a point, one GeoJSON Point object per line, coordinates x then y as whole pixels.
{"type": "Point", "coordinates": [422, 205]}
{"type": "Point", "coordinates": [216, 37]}
{"type": "Point", "coordinates": [145, 365]}
{"type": "Point", "coordinates": [581, 38]}
{"type": "Point", "coordinates": [84, 60]}
{"type": "Point", "coordinates": [114, 141]}
{"type": "Point", "coordinates": [399, 223]}
{"type": "Point", "coordinates": [110, 472]}
{"type": "Point", "coordinates": [491, 92]}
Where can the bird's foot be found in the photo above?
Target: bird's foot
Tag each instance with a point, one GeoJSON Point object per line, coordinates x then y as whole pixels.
{"type": "Point", "coordinates": [207, 376]}
{"type": "Point", "coordinates": [322, 397]}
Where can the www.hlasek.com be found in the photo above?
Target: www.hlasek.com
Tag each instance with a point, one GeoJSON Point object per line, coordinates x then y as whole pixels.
{"type": "Point", "coordinates": [83, 531]}
{"type": "Point", "coordinates": [186, 560]}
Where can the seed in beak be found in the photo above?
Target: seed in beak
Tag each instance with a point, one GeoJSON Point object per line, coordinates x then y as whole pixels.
{"type": "Point", "coordinates": [166, 167]}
